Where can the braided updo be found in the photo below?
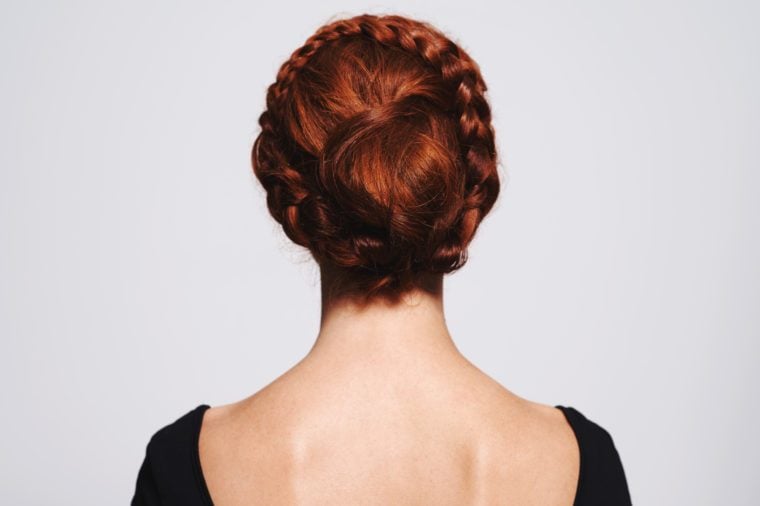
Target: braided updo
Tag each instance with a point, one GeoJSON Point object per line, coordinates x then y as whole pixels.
{"type": "Point", "coordinates": [377, 152]}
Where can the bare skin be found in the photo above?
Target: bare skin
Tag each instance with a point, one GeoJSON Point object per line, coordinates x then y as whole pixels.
{"type": "Point", "coordinates": [384, 409]}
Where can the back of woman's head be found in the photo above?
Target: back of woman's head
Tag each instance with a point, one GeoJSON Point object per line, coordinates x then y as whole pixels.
{"type": "Point", "coordinates": [377, 151]}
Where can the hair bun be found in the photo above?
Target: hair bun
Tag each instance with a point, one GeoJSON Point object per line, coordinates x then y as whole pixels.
{"type": "Point", "coordinates": [377, 151]}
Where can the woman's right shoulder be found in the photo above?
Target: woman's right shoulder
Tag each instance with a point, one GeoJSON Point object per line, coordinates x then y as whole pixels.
{"type": "Point", "coordinates": [568, 450]}
{"type": "Point", "coordinates": [601, 478]}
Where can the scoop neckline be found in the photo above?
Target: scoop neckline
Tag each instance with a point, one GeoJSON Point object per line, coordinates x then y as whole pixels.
{"type": "Point", "coordinates": [200, 411]}
{"type": "Point", "coordinates": [200, 479]}
{"type": "Point", "coordinates": [566, 412]}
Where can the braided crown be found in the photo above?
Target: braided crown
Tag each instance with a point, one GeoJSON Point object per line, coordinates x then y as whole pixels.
{"type": "Point", "coordinates": [377, 151]}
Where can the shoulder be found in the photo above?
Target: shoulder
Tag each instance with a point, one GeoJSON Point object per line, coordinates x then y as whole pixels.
{"type": "Point", "coordinates": [175, 440]}
{"type": "Point", "coordinates": [539, 426]}
{"type": "Point", "coordinates": [528, 443]}
{"type": "Point", "coordinates": [546, 429]}
{"type": "Point", "coordinates": [595, 441]}
{"type": "Point", "coordinates": [602, 478]}
{"type": "Point", "coordinates": [170, 470]}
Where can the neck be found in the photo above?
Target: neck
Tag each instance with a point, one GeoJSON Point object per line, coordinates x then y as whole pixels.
{"type": "Point", "coordinates": [403, 333]}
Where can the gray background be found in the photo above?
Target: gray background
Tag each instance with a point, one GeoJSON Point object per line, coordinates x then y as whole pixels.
{"type": "Point", "coordinates": [140, 274]}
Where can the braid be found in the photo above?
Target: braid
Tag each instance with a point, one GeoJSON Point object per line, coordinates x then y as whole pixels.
{"type": "Point", "coordinates": [275, 160]}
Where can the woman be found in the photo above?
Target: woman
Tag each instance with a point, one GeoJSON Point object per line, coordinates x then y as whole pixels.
{"type": "Point", "coordinates": [377, 154]}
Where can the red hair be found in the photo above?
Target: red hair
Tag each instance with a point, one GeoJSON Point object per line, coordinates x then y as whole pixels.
{"type": "Point", "coordinates": [377, 151]}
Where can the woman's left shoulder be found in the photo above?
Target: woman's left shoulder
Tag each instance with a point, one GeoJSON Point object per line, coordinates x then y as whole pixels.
{"type": "Point", "coordinates": [170, 460]}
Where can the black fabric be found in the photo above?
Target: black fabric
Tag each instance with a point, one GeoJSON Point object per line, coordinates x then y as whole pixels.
{"type": "Point", "coordinates": [602, 479]}
{"type": "Point", "coordinates": [171, 471]}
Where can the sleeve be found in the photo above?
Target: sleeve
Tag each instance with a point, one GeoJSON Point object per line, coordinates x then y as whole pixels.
{"type": "Point", "coordinates": [146, 489]}
{"type": "Point", "coordinates": [170, 474]}
{"type": "Point", "coordinates": [604, 478]}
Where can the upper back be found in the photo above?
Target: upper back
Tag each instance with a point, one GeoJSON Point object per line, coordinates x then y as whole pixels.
{"type": "Point", "coordinates": [477, 445]}
{"type": "Point", "coordinates": [471, 452]}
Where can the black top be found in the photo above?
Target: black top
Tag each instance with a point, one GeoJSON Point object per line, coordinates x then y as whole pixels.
{"type": "Point", "coordinates": [171, 472]}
